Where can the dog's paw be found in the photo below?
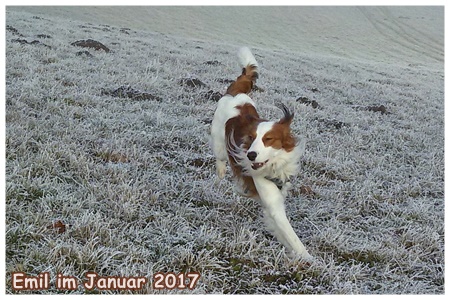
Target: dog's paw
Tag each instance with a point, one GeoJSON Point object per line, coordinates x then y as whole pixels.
{"type": "Point", "coordinates": [221, 169]}
{"type": "Point", "coordinates": [307, 258]}
{"type": "Point", "coordinates": [304, 257]}
{"type": "Point", "coordinates": [285, 189]}
{"type": "Point", "coordinates": [241, 191]}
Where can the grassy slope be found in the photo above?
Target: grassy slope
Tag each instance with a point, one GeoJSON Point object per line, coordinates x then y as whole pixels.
{"type": "Point", "coordinates": [134, 179]}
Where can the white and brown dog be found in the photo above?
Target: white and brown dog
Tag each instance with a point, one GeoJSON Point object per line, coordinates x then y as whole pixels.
{"type": "Point", "coordinates": [262, 154]}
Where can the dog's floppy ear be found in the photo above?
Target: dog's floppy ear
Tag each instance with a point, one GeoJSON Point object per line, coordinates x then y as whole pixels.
{"type": "Point", "coordinates": [251, 118]}
{"type": "Point", "coordinates": [288, 140]}
{"type": "Point", "coordinates": [288, 115]}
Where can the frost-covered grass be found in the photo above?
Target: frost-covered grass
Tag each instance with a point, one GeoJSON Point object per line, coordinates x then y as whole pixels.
{"type": "Point", "coordinates": [134, 180]}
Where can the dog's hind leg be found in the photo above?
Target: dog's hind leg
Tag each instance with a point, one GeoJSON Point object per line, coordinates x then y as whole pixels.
{"type": "Point", "coordinates": [276, 220]}
{"type": "Point", "coordinates": [217, 142]}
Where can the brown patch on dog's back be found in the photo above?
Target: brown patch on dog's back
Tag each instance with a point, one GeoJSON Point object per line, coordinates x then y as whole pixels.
{"type": "Point", "coordinates": [244, 83]}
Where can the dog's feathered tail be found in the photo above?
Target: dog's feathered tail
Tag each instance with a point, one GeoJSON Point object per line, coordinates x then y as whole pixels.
{"type": "Point", "coordinates": [247, 79]}
{"type": "Point", "coordinates": [248, 63]}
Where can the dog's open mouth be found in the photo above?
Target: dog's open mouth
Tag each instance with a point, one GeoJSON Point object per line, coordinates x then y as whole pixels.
{"type": "Point", "coordinates": [256, 166]}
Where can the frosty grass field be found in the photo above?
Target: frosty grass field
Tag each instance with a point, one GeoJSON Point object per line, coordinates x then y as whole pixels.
{"type": "Point", "coordinates": [112, 148]}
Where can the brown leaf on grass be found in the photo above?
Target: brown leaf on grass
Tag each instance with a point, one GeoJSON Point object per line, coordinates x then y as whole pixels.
{"type": "Point", "coordinates": [118, 157]}
{"type": "Point", "coordinates": [112, 156]}
{"type": "Point", "coordinates": [59, 226]}
{"type": "Point", "coordinates": [307, 191]}
{"type": "Point", "coordinates": [374, 108]}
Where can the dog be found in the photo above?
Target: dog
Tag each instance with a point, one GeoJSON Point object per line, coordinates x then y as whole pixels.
{"type": "Point", "coordinates": [263, 154]}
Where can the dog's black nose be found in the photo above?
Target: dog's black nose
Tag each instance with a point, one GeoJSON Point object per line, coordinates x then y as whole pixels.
{"type": "Point", "coordinates": [251, 155]}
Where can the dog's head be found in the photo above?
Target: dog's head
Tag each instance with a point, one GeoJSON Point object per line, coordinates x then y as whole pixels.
{"type": "Point", "coordinates": [269, 140]}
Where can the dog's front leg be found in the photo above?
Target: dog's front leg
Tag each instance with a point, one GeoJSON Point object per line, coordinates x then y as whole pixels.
{"type": "Point", "coordinates": [221, 168]}
{"type": "Point", "coordinates": [276, 220]}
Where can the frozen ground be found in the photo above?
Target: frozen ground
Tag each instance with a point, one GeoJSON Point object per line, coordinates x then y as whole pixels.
{"type": "Point", "coordinates": [133, 179]}
{"type": "Point", "coordinates": [381, 34]}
